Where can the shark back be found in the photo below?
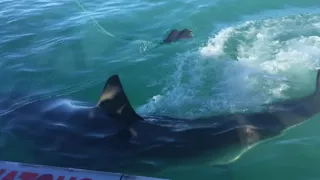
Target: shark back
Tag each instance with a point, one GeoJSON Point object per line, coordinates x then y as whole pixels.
{"type": "Point", "coordinates": [293, 112]}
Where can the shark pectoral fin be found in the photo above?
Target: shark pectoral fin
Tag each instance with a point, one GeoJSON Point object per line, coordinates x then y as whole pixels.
{"type": "Point", "coordinates": [115, 103]}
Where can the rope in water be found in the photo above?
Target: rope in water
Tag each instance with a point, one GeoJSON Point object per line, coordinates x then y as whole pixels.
{"type": "Point", "coordinates": [103, 29]}
{"type": "Point", "coordinates": [109, 34]}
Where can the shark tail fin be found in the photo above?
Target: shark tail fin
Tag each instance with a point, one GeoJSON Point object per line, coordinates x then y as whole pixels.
{"type": "Point", "coordinates": [115, 103]}
{"type": "Point", "coordinates": [185, 33]}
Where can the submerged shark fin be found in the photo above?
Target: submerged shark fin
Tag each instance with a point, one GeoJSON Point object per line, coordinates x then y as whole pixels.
{"type": "Point", "coordinates": [185, 33]}
{"type": "Point", "coordinates": [172, 36]}
{"type": "Point", "coordinates": [176, 35]}
{"type": "Point", "coordinates": [115, 103]}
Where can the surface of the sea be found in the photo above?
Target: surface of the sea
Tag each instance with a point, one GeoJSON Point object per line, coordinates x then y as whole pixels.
{"type": "Point", "coordinates": [244, 53]}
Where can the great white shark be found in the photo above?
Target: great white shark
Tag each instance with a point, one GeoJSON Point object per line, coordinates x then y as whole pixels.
{"type": "Point", "coordinates": [111, 136]}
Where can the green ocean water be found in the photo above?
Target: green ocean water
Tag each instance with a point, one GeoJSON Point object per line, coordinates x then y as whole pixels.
{"type": "Point", "coordinates": [244, 53]}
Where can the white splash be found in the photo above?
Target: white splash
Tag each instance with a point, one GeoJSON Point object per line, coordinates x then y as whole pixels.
{"type": "Point", "coordinates": [215, 46]}
{"type": "Point", "coordinates": [259, 61]}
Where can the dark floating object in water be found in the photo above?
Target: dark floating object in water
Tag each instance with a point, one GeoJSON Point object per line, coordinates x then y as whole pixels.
{"type": "Point", "coordinates": [176, 35]}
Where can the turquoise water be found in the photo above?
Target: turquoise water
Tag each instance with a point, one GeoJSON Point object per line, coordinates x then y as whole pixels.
{"type": "Point", "coordinates": [243, 54]}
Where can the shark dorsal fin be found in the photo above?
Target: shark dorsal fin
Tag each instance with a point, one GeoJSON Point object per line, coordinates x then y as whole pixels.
{"type": "Point", "coordinates": [115, 103]}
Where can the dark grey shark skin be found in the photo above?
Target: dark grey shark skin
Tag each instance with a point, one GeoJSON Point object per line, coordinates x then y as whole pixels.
{"type": "Point", "coordinates": [111, 136]}
{"type": "Point", "coordinates": [176, 35]}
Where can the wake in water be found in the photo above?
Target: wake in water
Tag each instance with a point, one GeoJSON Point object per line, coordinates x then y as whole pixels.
{"type": "Point", "coordinates": [244, 66]}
